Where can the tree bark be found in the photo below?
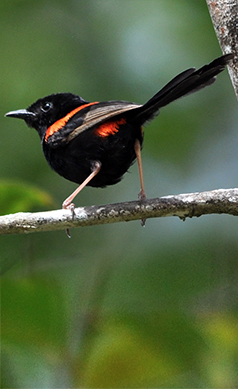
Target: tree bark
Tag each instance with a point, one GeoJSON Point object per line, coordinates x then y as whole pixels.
{"type": "Point", "coordinates": [224, 15]}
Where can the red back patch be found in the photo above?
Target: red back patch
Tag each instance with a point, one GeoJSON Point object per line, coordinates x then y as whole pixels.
{"type": "Point", "coordinates": [109, 127]}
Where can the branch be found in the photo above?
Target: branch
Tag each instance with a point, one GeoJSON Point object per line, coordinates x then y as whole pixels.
{"type": "Point", "coordinates": [183, 205]}
{"type": "Point", "coordinates": [224, 18]}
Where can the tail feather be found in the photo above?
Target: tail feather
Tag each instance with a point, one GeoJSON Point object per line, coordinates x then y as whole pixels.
{"type": "Point", "coordinates": [189, 81]}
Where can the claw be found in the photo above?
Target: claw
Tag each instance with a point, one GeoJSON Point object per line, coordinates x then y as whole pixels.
{"type": "Point", "coordinates": [71, 207]}
{"type": "Point", "coordinates": [68, 233]}
{"type": "Point", "coordinates": [141, 195]}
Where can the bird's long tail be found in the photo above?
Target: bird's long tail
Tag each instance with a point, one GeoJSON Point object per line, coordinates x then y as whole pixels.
{"type": "Point", "coordinates": [189, 81]}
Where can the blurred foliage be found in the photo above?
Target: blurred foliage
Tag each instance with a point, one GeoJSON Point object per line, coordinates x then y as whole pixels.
{"type": "Point", "coordinates": [118, 306]}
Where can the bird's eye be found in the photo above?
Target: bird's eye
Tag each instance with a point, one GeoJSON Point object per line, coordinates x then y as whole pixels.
{"type": "Point", "coordinates": [46, 107]}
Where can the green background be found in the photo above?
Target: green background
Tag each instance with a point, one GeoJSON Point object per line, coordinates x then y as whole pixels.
{"type": "Point", "coordinates": [118, 306]}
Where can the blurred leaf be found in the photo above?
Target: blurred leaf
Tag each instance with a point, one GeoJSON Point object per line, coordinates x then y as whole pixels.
{"type": "Point", "coordinates": [139, 353]}
{"type": "Point", "coordinates": [21, 197]}
{"type": "Point", "coordinates": [220, 362]}
{"type": "Point", "coordinates": [121, 358]}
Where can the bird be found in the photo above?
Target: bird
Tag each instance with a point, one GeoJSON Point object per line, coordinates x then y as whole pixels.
{"type": "Point", "coordinates": [95, 143]}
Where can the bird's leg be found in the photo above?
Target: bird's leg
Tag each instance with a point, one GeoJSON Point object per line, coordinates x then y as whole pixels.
{"type": "Point", "coordinates": [68, 204]}
{"type": "Point", "coordinates": [141, 194]}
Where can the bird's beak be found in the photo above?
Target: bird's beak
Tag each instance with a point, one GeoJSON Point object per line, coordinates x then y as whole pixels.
{"type": "Point", "coordinates": [21, 114]}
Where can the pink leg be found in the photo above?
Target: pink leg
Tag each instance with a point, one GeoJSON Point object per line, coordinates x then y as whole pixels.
{"type": "Point", "coordinates": [141, 194]}
{"type": "Point", "coordinates": [68, 202]}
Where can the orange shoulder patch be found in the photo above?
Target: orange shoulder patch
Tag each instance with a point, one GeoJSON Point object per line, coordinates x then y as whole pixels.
{"type": "Point", "coordinates": [56, 126]}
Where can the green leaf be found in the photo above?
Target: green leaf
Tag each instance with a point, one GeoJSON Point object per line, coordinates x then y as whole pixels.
{"type": "Point", "coordinates": [21, 197]}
